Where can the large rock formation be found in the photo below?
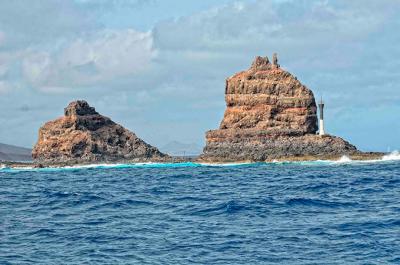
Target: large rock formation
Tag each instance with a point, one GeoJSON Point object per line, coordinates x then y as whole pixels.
{"type": "Point", "coordinates": [84, 136]}
{"type": "Point", "coordinates": [269, 115]}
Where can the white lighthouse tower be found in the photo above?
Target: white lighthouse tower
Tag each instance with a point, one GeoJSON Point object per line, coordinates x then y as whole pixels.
{"type": "Point", "coordinates": [321, 118]}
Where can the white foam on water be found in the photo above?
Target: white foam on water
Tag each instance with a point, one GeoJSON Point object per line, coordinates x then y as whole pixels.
{"type": "Point", "coordinates": [344, 159]}
{"type": "Point", "coordinates": [91, 166]}
{"type": "Point", "coordinates": [395, 155]}
{"type": "Point", "coordinates": [107, 166]}
{"type": "Point", "coordinates": [225, 164]}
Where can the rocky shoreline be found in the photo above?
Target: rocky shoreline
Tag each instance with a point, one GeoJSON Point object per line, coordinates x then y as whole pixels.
{"type": "Point", "coordinates": [275, 147]}
{"type": "Point", "coordinates": [361, 156]}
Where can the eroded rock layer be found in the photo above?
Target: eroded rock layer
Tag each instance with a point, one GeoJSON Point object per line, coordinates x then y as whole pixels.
{"type": "Point", "coordinates": [82, 135]}
{"type": "Point", "coordinates": [269, 115]}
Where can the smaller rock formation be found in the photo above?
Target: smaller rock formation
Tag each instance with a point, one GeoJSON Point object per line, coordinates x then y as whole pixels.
{"type": "Point", "coordinates": [85, 136]}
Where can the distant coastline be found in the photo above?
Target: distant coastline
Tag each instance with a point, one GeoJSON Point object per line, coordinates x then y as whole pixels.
{"type": "Point", "coordinates": [15, 153]}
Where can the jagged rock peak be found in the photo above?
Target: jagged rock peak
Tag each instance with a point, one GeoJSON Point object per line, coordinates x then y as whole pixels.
{"type": "Point", "coordinates": [80, 108]}
{"type": "Point", "coordinates": [263, 63]}
{"type": "Point", "coordinates": [260, 63]}
{"type": "Point", "coordinates": [84, 136]}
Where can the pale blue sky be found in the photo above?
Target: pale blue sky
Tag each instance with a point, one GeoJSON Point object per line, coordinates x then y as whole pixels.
{"type": "Point", "coordinates": [159, 67]}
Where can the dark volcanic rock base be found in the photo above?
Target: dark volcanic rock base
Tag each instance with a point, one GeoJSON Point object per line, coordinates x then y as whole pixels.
{"type": "Point", "coordinates": [262, 149]}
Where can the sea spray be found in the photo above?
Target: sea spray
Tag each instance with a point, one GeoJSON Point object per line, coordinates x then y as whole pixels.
{"type": "Point", "coordinates": [395, 155]}
{"type": "Point", "coordinates": [344, 159]}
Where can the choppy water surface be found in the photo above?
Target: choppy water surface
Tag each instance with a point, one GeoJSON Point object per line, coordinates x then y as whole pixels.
{"type": "Point", "coordinates": [287, 213]}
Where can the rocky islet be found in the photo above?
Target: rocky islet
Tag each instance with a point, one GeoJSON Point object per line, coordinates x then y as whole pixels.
{"type": "Point", "coordinates": [82, 135]}
{"type": "Point", "coordinates": [269, 115]}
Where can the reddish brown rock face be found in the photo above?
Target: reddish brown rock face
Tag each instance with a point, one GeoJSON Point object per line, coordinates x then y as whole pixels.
{"type": "Point", "coordinates": [83, 135]}
{"type": "Point", "coordinates": [266, 97]}
{"type": "Point", "coordinates": [269, 114]}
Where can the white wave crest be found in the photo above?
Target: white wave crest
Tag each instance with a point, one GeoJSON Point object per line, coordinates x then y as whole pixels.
{"type": "Point", "coordinates": [344, 159]}
{"type": "Point", "coordinates": [395, 155]}
{"type": "Point", "coordinates": [91, 166]}
{"type": "Point", "coordinates": [226, 164]}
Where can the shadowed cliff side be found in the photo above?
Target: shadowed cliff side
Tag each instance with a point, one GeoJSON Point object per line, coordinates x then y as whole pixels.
{"type": "Point", "coordinates": [269, 115]}
{"type": "Point", "coordinates": [83, 136]}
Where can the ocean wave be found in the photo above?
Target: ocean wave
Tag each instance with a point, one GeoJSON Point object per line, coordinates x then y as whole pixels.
{"type": "Point", "coordinates": [230, 207]}
{"type": "Point", "coordinates": [304, 163]}
{"type": "Point", "coordinates": [189, 213]}
{"type": "Point", "coordinates": [124, 203]}
{"type": "Point", "coordinates": [344, 159]}
{"type": "Point", "coordinates": [318, 203]}
{"type": "Point", "coordinates": [395, 155]}
{"type": "Point", "coordinates": [228, 164]}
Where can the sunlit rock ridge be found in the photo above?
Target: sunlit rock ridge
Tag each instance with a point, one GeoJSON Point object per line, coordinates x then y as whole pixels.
{"type": "Point", "coordinates": [82, 135]}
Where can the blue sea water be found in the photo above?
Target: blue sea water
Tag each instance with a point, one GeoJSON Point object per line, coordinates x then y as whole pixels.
{"type": "Point", "coordinates": [268, 213]}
